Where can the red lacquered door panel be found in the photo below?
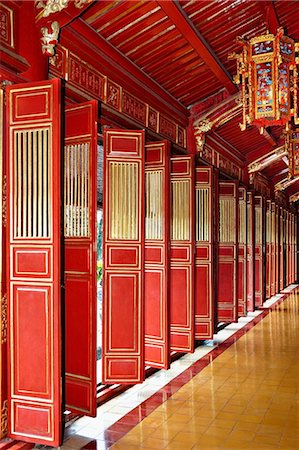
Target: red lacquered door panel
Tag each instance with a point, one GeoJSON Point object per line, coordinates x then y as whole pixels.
{"type": "Point", "coordinates": [288, 248]}
{"type": "Point", "coordinates": [273, 250]}
{"type": "Point", "coordinates": [80, 237]}
{"type": "Point", "coordinates": [268, 249]}
{"type": "Point", "coordinates": [259, 256]}
{"type": "Point", "coordinates": [205, 205]}
{"type": "Point", "coordinates": [250, 252]}
{"type": "Point", "coordinates": [293, 248]}
{"type": "Point", "coordinates": [276, 249]}
{"type": "Point", "coordinates": [228, 252]}
{"type": "Point", "coordinates": [157, 242]}
{"type": "Point", "coordinates": [281, 238]}
{"type": "Point", "coordinates": [242, 246]}
{"type": "Point", "coordinates": [123, 276]}
{"type": "Point", "coordinates": [182, 254]}
{"type": "Point", "coordinates": [34, 278]}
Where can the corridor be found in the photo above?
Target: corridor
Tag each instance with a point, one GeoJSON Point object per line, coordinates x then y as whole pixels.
{"type": "Point", "coordinates": [243, 395]}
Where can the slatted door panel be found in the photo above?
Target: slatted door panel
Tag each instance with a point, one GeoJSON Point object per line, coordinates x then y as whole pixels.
{"type": "Point", "coordinates": [205, 179]}
{"type": "Point", "coordinates": [276, 251]}
{"type": "Point", "coordinates": [157, 243]}
{"type": "Point", "coordinates": [281, 258]}
{"type": "Point", "coordinates": [259, 257]}
{"type": "Point", "coordinates": [80, 237]}
{"type": "Point", "coordinates": [289, 247]}
{"type": "Point", "coordinates": [250, 252]}
{"type": "Point", "coordinates": [123, 263]}
{"type": "Point", "coordinates": [182, 254]}
{"type": "Point", "coordinates": [273, 249]}
{"type": "Point", "coordinates": [34, 278]}
{"type": "Point", "coordinates": [295, 249]}
{"type": "Point", "coordinates": [242, 245]}
{"type": "Point", "coordinates": [268, 248]}
{"type": "Point", "coordinates": [228, 252]}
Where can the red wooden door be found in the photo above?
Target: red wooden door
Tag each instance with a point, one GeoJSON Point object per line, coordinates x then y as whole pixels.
{"type": "Point", "coordinates": [182, 254]}
{"type": "Point", "coordinates": [281, 238]}
{"type": "Point", "coordinates": [205, 205]}
{"type": "Point", "coordinates": [273, 250]}
{"type": "Point", "coordinates": [123, 263]}
{"type": "Point", "coordinates": [290, 248]}
{"type": "Point", "coordinates": [268, 248]}
{"type": "Point", "coordinates": [242, 247]}
{"type": "Point", "coordinates": [259, 256]}
{"type": "Point", "coordinates": [250, 252]}
{"type": "Point", "coordinates": [34, 278]}
{"type": "Point", "coordinates": [80, 237]}
{"type": "Point", "coordinates": [228, 252]}
{"type": "Point", "coordinates": [276, 249]}
{"type": "Point", "coordinates": [293, 247]}
{"type": "Point", "coordinates": [157, 243]}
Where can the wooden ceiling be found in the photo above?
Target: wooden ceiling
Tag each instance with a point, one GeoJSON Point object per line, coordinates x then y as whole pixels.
{"type": "Point", "coordinates": [184, 45]}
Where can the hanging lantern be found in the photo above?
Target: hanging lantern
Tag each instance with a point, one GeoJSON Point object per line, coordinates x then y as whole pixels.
{"type": "Point", "coordinates": [267, 71]}
{"type": "Point", "coordinates": [292, 146]}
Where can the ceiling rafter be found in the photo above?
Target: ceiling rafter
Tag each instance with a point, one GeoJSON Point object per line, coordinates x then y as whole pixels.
{"type": "Point", "coordinates": [270, 16]}
{"type": "Point", "coordinates": [182, 22]}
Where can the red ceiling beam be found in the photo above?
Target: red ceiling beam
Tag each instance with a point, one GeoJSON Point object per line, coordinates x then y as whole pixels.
{"type": "Point", "coordinates": [182, 22]}
{"type": "Point", "coordinates": [270, 16]}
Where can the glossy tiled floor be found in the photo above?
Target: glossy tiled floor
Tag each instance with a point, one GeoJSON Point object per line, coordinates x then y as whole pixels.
{"type": "Point", "coordinates": [247, 397]}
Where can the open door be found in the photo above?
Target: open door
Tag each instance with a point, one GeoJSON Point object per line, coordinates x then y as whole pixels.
{"type": "Point", "coordinates": [157, 243]}
{"type": "Point", "coordinates": [205, 205]}
{"type": "Point", "coordinates": [228, 252]}
{"type": "Point", "coordinates": [242, 244]}
{"type": "Point", "coordinates": [273, 250]}
{"type": "Point", "coordinates": [182, 254]}
{"type": "Point", "coordinates": [281, 237]}
{"type": "Point", "coordinates": [276, 249]}
{"type": "Point", "coordinates": [123, 264]}
{"type": "Point", "coordinates": [80, 237]}
{"type": "Point", "coordinates": [258, 254]}
{"type": "Point", "coordinates": [34, 278]}
{"type": "Point", "coordinates": [250, 252]}
{"type": "Point", "coordinates": [268, 248]}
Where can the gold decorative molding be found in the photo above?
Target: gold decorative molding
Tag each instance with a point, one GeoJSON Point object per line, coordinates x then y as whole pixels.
{"type": "Point", "coordinates": [293, 198]}
{"type": "Point", "coordinates": [4, 319]}
{"type": "Point", "coordinates": [49, 40]}
{"type": "Point", "coordinates": [4, 411]}
{"type": "Point", "coordinates": [4, 201]}
{"type": "Point", "coordinates": [286, 182]}
{"type": "Point", "coordinates": [267, 160]}
{"type": "Point", "coordinates": [53, 6]}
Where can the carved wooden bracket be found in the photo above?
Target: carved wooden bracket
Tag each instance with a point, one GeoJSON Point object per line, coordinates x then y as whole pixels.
{"type": "Point", "coordinates": [52, 15]}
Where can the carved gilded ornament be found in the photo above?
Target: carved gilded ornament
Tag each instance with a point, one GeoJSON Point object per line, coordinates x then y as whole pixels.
{"type": "Point", "coordinates": [4, 411]}
{"type": "Point", "coordinates": [54, 6]}
{"type": "Point", "coordinates": [4, 319]}
{"type": "Point", "coordinates": [294, 197]}
{"type": "Point", "coordinates": [254, 167]}
{"type": "Point", "coordinates": [49, 40]}
{"type": "Point", "coordinates": [200, 130]}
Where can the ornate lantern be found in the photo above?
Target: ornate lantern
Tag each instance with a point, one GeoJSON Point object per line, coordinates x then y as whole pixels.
{"type": "Point", "coordinates": [267, 71]}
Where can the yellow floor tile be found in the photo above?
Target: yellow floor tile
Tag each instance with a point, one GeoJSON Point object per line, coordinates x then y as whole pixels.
{"type": "Point", "coordinates": [248, 398]}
